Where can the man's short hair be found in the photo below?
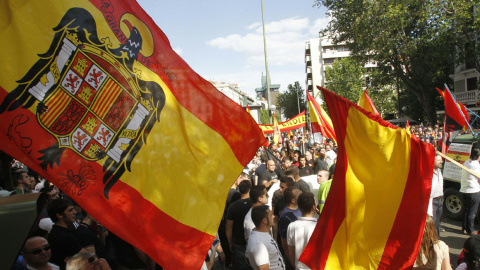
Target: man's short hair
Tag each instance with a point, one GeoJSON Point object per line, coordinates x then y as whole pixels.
{"type": "Point", "coordinates": [297, 152]}
{"type": "Point", "coordinates": [285, 158]}
{"type": "Point", "coordinates": [301, 156]}
{"type": "Point", "coordinates": [287, 180]}
{"type": "Point", "coordinates": [257, 192]}
{"type": "Point", "coordinates": [16, 176]}
{"type": "Point", "coordinates": [306, 201]}
{"type": "Point", "coordinates": [259, 213]}
{"type": "Point", "coordinates": [289, 194]}
{"type": "Point", "coordinates": [244, 187]}
{"type": "Point", "coordinates": [263, 158]}
{"type": "Point", "coordinates": [57, 206]}
{"type": "Point", "coordinates": [292, 170]}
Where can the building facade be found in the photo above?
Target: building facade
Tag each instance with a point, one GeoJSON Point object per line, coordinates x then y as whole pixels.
{"type": "Point", "coordinates": [320, 53]}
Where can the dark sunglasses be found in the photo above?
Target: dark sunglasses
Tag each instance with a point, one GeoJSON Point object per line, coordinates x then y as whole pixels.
{"type": "Point", "coordinates": [38, 250]}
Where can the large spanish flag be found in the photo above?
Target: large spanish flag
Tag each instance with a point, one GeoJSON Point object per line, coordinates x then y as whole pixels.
{"type": "Point", "coordinates": [366, 103]}
{"type": "Point", "coordinates": [94, 99]}
{"type": "Point", "coordinates": [375, 212]}
{"type": "Point", "coordinates": [319, 119]}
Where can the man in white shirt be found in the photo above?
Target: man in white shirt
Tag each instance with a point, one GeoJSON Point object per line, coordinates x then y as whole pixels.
{"type": "Point", "coordinates": [330, 155]}
{"type": "Point", "coordinates": [262, 250]}
{"type": "Point", "coordinates": [259, 196]}
{"type": "Point", "coordinates": [436, 195]}
{"type": "Point", "coordinates": [300, 231]}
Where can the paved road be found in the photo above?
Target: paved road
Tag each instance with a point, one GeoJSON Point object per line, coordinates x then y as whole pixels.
{"type": "Point", "coordinates": [453, 237]}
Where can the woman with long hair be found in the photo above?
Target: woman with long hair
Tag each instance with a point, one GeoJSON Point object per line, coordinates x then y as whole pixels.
{"type": "Point", "coordinates": [433, 253]}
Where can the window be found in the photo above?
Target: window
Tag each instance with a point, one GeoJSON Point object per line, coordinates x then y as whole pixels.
{"type": "Point", "coordinates": [472, 84]}
{"type": "Point", "coordinates": [328, 61]}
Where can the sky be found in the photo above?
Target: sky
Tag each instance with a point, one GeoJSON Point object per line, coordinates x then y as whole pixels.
{"type": "Point", "coordinates": [223, 40]}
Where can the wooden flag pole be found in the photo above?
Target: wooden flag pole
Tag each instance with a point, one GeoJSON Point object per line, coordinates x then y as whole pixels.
{"type": "Point", "coordinates": [458, 164]}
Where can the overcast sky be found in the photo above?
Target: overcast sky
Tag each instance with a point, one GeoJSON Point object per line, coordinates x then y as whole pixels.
{"type": "Point", "coordinates": [222, 40]}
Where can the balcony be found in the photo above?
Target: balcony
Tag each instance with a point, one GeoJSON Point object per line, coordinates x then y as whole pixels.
{"type": "Point", "coordinates": [308, 60]}
{"type": "Point", "coordinates": [468, 97]}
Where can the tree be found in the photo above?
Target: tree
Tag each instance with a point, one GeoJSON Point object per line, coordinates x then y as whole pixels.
{"type": "Point", "coordinates": [264, 117]}
{"type": "Point", "coordinates": [345, 78]}
{"type": "Point", "coordinates": [410, 36]}
{"type": "Point", "coordinates": [288, 101]}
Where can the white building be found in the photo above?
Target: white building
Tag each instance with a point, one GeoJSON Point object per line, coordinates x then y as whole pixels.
{"type": "Point", "coordinates": [234, 93]}
{"type": "Point", "coordinates": [321, 53]}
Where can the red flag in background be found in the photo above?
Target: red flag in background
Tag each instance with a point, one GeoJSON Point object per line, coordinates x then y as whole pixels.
{"type": "Point", "coordinates": [456, 114]}
{"type": "Point", "coordinates": [366, 103]}
{"type": "Point", "coordinates": [319, 119]}
{"type": "Point", "coordinates": [371, 221]}
{"type": "Point", "coordinates": [95, 100]}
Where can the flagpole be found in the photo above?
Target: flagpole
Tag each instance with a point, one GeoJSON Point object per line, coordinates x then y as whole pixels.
{"type": "Point", "coordinates": [266, 60]}
{"type": "Point", "coordinates": [464, 118]}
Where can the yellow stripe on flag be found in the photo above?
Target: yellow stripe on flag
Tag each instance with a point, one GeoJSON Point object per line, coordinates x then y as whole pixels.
{"type": "Point", "coordinates": [359, 233]}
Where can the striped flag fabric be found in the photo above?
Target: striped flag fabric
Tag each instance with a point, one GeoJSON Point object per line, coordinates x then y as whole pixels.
{"type": "Point", "coordinates": [249, 110]}
{"type": "Point", "coordinates": [371, 221]}
{"type": "Point", "coordinates": [94, 99]}
{"type": "Point", "coordinates": [366, 103]}
{"type": "Point", "coordinates": [319, 119]}
{"type": "Point", "coordinates": [277, 136]}
{"type": "Point", "coordinates": [456, 114]}
{"type": "Point", "coordinates": [407, 128]}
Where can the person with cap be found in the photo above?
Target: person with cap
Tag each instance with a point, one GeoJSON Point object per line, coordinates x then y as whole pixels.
{"type": "Point", "coordinates": [471, 253]}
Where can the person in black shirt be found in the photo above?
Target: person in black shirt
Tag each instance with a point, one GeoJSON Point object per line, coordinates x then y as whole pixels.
{"type": "Point", "coordinates": [234, 225]}
{"type": "Point", "coordinates": [303, 167]}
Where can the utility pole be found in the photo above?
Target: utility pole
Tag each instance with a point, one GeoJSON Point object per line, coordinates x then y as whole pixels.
{"type": "Point", "coordinates": [266, 64]}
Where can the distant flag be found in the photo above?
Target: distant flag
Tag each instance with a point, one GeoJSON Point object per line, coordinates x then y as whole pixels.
{"type": "Point", "coordinates": [249, 111]}
{"type": "Point", "coordinates": [348, 234]}
{"type": "Point", "coordinates": [97, 102]}
{"type": "Point", "coordinates": [319, 119]}
{"type": "Point", "coordinates": [456, 114]}
{"type": "Point", "coordinates": [277, 136]}
{"type": "Point", "coordinates": [445, 136]}
{"type": "Point", "coordinates": [407, 128]}
{"type": "Point", "coordinates": [366, 103]}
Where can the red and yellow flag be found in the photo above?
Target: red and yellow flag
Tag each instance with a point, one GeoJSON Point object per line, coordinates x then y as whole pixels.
{"type": "Point", "coordinates": [407, 128]}
{"type": "Point", "coordinates": [249, 110]}
{"type": "Point", "coordinates": [93, 98]}
{"type": "Point", "coordinates": [277, 136]}
{"type": "Point", "coordinates": [319, 119]}
{"type": "Point", "coordinates": [293, 123]}
{"type": "Point", "coordinates": [371, 221]}
{"type": "Point", "coordinates": [366, 103]}
{"type": "Point", "coordinates": [456, 113]}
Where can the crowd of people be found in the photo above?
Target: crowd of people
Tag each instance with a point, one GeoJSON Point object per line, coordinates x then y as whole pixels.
{"type": "Point", "coordinates": [256, 232]}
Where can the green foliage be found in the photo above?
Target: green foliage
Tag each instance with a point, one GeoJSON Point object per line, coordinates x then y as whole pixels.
{"type": "Point", "coordinates": [409, 39]}
{"type": "Point", "coordinates": [345, 78]}
{"type": "Point", "coordinates": [264, 117]}
{"type": "Point", "coordinates": [289, 100]}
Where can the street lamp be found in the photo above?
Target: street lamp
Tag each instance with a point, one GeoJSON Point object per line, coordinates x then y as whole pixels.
{"type": "Point", "coordinates": [272, 110]}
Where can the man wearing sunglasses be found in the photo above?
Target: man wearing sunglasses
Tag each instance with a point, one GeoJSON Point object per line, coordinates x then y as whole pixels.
{"type": "Point", "coordinates": [37, 253]}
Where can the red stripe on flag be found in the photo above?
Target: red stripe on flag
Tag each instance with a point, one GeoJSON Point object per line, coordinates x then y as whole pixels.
{"type": "Point", "coordinates": [335, 208]}
{"type": "Point", "coordinates": [410, 219]}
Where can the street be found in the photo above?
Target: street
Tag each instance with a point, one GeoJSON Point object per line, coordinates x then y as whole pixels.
{"type": "Point", "coordinates": [453, 237]}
